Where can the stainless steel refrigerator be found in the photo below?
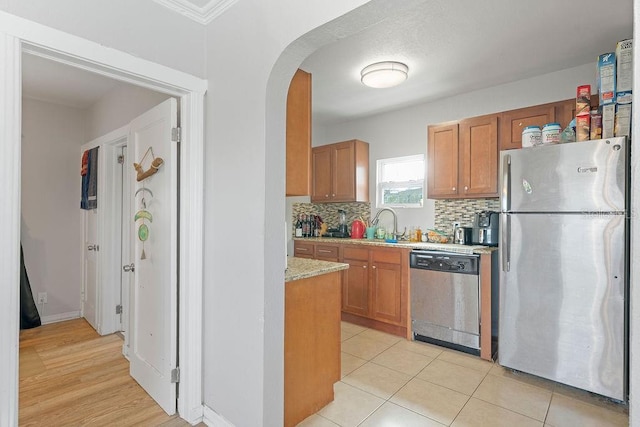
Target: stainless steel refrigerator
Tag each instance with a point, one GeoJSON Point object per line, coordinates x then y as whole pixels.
{"type": "Point", "coordinates": [564, 264]}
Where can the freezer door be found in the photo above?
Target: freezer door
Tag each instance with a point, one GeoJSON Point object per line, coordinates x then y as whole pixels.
{"type": "Point", "coordinates": [579, 177]}
{"type": "Point", "coordinates": [562, 300]}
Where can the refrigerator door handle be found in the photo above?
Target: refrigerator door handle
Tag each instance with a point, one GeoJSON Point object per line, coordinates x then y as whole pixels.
{"type": "Point", "coordinates": [505, 197]}
{"type": "Point", "coordinates": [505, 244]}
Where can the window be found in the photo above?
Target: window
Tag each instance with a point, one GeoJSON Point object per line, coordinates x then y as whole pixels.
{"type": "Point", "coordinates": [400, 182]}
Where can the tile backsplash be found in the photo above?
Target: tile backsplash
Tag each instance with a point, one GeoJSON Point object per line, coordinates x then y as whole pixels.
{"type": "Point", "coordinates": [448, 211]}
{"type": "Point", "coordinates": [329, 212]}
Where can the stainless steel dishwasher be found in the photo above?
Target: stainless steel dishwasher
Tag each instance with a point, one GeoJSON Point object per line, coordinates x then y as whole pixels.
{"type": "Point", "coordinates": [445, 299]}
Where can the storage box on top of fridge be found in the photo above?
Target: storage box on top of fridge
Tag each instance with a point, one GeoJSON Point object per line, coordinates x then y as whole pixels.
{"type": "Point", "coordinates": [607, 78]}
{"type": "Point", "coordinates": [624, 87]}
{"type": "Point", "coordinates": [624, 68]}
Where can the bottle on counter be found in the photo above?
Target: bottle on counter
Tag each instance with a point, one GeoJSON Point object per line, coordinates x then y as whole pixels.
{"type": "Point", "coordinates": [298, 232]}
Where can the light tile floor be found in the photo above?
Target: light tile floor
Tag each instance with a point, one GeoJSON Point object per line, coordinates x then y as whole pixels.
{"type": "Point", "coordinates": [391, 382]}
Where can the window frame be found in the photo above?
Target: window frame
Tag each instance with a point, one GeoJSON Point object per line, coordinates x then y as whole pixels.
{"type": "Point", "coordinates": [386, 185]}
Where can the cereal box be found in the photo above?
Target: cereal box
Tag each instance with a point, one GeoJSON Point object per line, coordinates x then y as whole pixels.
{"type": "Point", "coordinates": [607, 78]}
{"type": "Point", "coordinates": [583, 100]}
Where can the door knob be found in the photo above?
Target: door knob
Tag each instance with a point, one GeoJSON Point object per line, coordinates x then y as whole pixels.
{"type": "Point", "coordinates": [129, 268]}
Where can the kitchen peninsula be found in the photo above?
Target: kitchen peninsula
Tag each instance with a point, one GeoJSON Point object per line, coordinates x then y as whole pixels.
{"type": "Point", "coordinates": [311, 336]}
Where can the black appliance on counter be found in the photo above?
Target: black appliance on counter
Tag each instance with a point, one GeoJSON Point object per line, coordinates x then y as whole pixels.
{"type": "Point", "coordinates": [485, 228]}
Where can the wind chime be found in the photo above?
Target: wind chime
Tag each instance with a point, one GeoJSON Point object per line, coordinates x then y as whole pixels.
{"type": "Point", "coordinates": [143, 214]}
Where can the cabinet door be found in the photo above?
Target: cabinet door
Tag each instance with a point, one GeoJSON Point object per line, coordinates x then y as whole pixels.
{"type": "Point", "coordinates": [442, 158]}
{"type": "Point", "coordinates": [512, 123]}
{"type": "Point", "coordinates": [355, 280]}
{"type": "Point", "coordinates": [303, 249]}
{"type": "Point", "coordinates": [479, 157]}
{"type": "Point", "coordinates": [343, 173]}
{"type": "Point", "coordinates": [386, 286]}
{"type": "Point", "coordinates": [566, 110]}
{"type": "Point", "coordinates": [321, 181]}
{"type": "Point", "coordinates": [299, 135]}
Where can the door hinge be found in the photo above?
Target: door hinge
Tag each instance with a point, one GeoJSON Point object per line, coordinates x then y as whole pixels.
{"type": "Point", "coordinates": [121, 159]}
{"type": "Point", "coordinates": [119, 309]}
{"type": "Point", "coordinates": [175, 134]}
{"type": "Point", "coordinates": [175, 375]}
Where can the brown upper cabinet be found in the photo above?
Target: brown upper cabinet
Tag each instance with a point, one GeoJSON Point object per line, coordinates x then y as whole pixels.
{"type": "Point", "coordinates": [463, 159]}
{"type": "Point", "coordinates": [340, 172]}
{"type": "Point", "coordinates": [513, 122]}
{"type": "Point", "coordinates": [299, 135]}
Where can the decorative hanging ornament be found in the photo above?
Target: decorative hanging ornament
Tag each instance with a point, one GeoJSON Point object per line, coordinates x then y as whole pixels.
{"type": "Point", "coordinates": [153, 168]}
{"type": "Point", "coordinates": [144, 215]}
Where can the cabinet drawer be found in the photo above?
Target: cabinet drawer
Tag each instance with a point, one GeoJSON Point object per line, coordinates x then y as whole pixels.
{"type": "Point", "coordinates": [303, 249]}
{"type": "Point", "coordinates": [355, 253]}
{"type": "Point", "coordinates": [327, 252]}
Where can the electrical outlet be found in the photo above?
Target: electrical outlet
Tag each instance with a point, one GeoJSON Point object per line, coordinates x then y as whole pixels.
{"type": "Point", "coordinates": [42, 297]}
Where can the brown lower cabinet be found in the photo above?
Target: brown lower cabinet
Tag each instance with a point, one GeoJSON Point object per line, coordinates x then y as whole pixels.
{"type": "Point", "coordinates": [374, 288]}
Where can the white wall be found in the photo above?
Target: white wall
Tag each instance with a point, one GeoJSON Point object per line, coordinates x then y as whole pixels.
{"type": "Point", "coordinates": [140, 27]}
{"type": "Point", "coordinates": [244, 190]}
{"type": "Point", "coordinates": [117, 108]}
{"type": "Point", "coordinates": [404, 132]}
{"type": "Point", "coordinates": [51, 217]}
{"type": "Point", "coordinates": [634, 315]}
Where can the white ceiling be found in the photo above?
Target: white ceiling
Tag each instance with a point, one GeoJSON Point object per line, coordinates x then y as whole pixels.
{"type": "Point", "coordinates": [54, 82]}
{"type": "Point", "coordinates": [451, 47]}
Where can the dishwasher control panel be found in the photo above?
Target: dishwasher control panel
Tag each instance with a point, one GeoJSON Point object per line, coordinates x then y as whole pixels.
{"type": "Point", "coordinates": [444, 261]}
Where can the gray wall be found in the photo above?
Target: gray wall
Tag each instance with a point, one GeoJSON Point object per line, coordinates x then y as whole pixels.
{"type": "Point", "coordinates": [118, 107]}
{"type": "Point", "coordinates": [141, 28]}
{"type": "Point", "coordinates": [404, 132]}
{"type": "Point", "coordinates": [51, 230]}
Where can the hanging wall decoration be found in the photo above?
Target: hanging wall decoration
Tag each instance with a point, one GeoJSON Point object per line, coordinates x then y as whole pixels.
{"type": "Point", "coordinates": [144, 215]}
{"type": "Point", "coordinates": [153, 168]}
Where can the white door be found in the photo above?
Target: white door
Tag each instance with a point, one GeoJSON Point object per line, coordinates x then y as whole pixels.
{"type": "Point", "coordinates": [153, 295]}
{"type": "Point", "coordinates": [90, 276]}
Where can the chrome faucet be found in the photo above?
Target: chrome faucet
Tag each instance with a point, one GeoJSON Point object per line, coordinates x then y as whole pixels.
{"type": "Point", "coordinates": [395, 233]}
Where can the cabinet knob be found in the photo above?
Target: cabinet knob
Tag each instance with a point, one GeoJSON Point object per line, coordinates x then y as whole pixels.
{"type": "Point", "coordinates": [466, 188]}
{"type": "Point", "coordinates": [333, 195]}
{"type": "Point", "coordinates": [374, 267]}
{"type": "Point", "coordinates": [453, 188]}
{"type": "Point", "coordinates": [364, 266]}
{"type": "Point", "coordinates": [520, 124]}
{"type": "Point", "coordinates": [326, 196]}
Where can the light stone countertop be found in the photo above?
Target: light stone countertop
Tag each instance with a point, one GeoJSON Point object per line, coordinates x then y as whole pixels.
{"type": "Point", "coordinates": [446, 247]}
{"type": "Point", "coordinates": [302, 268]}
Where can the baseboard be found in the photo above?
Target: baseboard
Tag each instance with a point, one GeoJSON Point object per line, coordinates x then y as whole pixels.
{"type": "Point", "coordinates": [213, 419]}
{"type": "Point", "coordinates": [54, 318]}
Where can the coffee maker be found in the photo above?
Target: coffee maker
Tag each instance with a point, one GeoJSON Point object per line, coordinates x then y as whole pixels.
{"type": "Point", "coordinates": [485, 228]}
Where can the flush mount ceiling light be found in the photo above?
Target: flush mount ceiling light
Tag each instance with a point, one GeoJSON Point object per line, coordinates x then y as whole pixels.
{"type": "Point", "coordinates": [384, 74]}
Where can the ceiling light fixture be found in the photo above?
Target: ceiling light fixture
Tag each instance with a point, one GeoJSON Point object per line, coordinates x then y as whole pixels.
{"type": "Point", "coordinates": [384, 74]}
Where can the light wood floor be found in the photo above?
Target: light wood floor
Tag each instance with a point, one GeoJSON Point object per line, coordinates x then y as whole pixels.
{"type": "Point", "coordinates": [71, 376]}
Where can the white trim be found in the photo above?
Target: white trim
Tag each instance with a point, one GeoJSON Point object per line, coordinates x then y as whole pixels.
{"type": "Point", "coordinates": [55, 318]}
{"type": "Point", "coordinates": [202, 15]}
{"type": "Point", "coordinates": [54, 44]}
{"type": "Point", "coordinates": [10, 143]}
{"type": "Point", "coordinates": [108, 226]}
{"type": "Point", "coordinates": [213, 419]}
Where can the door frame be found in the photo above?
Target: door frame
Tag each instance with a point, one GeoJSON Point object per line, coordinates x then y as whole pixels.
{"type": "Point", "coordinates": [109, 225]}
{"type": "Point", "coordinates": [21, 35]}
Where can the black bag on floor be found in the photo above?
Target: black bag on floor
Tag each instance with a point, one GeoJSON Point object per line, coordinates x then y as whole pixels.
{"type": "Point", "coordinates": [29, 317]}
